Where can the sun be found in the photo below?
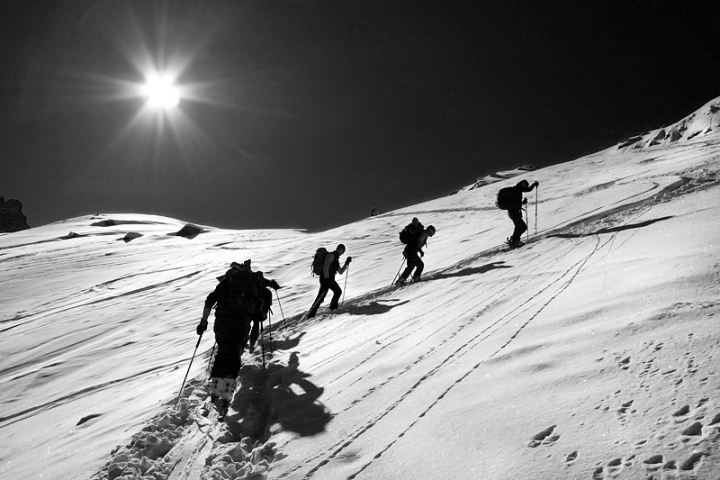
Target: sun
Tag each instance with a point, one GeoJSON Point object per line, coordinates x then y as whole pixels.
{"type": "Point", "coordinates": [161, 92]}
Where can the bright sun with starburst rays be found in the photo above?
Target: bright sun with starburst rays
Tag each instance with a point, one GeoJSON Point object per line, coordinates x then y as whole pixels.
{"type": "Point", "coordinates": [161, 92]}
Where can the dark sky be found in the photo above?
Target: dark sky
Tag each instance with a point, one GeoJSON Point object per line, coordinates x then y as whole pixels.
{"type": "Point", "coordinates": [309, 113]}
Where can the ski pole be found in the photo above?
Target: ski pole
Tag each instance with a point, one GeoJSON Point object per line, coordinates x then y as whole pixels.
{"type": "Point", "coordinates": [262, 344]}
{"type": "Point", "coordinates": [345, 288]}
{"type": "Point", "coordinates": [527, 231]}
{"type": "Point", "coordinates": [270, 329]}
{"type": "Point", "coordinates": [281, 309]}
{"type": "Point", "coordinates": [536, 202]}
{"type": "Point", "coordinates": [398, 272]}
{"type": "Point", "coordinates": [188, 370]}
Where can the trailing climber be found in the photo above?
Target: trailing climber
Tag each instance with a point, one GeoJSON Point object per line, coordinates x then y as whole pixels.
{"type": "Point", "coordinates": [239, 301]}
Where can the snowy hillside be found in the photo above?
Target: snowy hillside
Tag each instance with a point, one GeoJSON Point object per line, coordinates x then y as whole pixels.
{"type": "Point", "coordinates": [591, 353]}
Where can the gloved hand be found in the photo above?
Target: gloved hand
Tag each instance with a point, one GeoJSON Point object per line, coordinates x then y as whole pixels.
{"type": "Point", "coordinates": [348, 260]}
{"type": "Point", "coordinates": [274, 284]}
{"type": "Point", "coordinates": [537, 183]}
{"type": "Point", "coordinates": [524, 202]}
{"type": "Point", "coordinates": [202, 326]}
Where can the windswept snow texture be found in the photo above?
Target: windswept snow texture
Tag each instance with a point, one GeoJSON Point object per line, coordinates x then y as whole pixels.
{"type": "Point", "coordinates": [590, 353]}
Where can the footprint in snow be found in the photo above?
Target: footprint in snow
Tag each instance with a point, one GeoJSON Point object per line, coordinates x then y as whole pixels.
{"type": "Point", "coordinates": [624, 408]}
{"type": "Point", "coordinates": [544, 438]}
{"type": "Point", "coordinates": [681, 414]}
{"type": "Point", "coordinates": [692, 462]}
{"type": "Point", "coordinates": [611, 470]}
{"type": "Point", "coordinates": [624, 363]}
{"type": "Point", "coordinates": [653, 463]}
{"type": "Point", "coordinates": [715, 421]}
{"type": "Point", "coordinates": [614, 467]}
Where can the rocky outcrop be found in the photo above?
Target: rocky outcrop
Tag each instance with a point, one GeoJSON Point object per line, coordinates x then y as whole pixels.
{"type": "Point", "coordinates": [11, 216]}
{"type": "Point", "coordinates": [700, 124]}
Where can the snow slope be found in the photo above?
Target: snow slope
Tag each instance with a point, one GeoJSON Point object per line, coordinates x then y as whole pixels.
{"type": "Point", "coordinates": [591, 353]}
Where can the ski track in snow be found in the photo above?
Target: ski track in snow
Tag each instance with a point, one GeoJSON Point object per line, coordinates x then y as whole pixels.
{"type": "Point", "coordinates": [462, 350]}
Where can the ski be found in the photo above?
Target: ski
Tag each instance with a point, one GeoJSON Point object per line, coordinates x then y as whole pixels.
{"type": "Point", "coordinates": [399, 284]}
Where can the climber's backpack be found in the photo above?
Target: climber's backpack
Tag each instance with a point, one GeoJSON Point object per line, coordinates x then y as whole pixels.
{"type": "Point", "coordinates": [319, 261]}
{"type": "Point", "coordinates": [242, 294]}
{"type": "Point", "coordinates": [504, 198]}
{"type": "Point", "coordinates": [266, 298]}
{"type": "Point", "coordinates": [411, 233]}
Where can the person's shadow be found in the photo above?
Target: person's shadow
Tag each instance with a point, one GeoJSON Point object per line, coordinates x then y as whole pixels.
{"type": "Point", "coordinates": [465, 272]}
{"type": "Point", "coordinates": [279, 343]}
{"type": "Point", "coordinates": [295, 399]}
{"type": "Point", "coordinates": [372, 308]}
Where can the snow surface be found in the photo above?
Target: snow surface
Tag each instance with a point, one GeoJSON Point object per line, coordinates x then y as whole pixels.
{"type": "Point", "coordinates": [590, 353]}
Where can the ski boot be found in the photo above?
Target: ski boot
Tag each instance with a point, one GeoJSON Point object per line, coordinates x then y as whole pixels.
{"type": "Point", "coordinates": [221, 394]}
{"type": "Point", "coordinates": [512, 243]}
